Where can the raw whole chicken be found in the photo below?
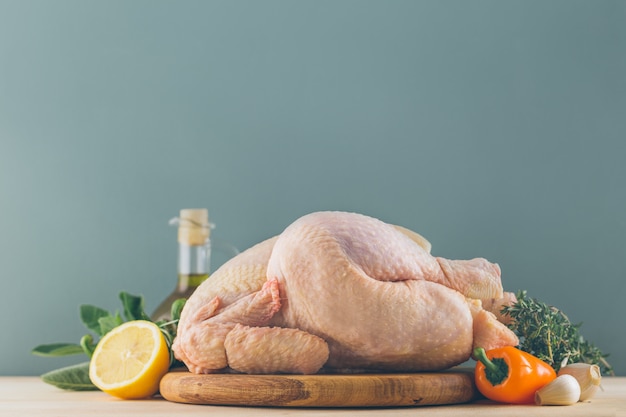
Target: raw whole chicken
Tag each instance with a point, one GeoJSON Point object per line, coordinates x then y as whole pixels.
{"type": "Point", "coordinates": [343, 291]}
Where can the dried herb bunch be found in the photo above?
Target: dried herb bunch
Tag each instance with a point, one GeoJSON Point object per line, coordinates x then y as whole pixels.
{"type": "Point", "coordinates": [546, 332]}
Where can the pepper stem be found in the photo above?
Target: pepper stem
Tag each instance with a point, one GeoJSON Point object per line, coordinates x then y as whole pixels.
{"type": "Point", "coordinates": [481, 355]}
{"type": "Point", "coordinates": [496, 371]}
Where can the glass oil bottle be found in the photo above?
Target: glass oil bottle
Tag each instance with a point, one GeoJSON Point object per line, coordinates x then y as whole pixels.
{"type": "Point", "coordinates": [194, 257]}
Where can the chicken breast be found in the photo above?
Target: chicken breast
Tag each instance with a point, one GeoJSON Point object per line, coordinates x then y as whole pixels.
{"type": "Point", "coordinates": [363, 294]}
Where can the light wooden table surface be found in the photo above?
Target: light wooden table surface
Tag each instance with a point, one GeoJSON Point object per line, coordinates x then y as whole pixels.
{"type": "Point", "coordinates": [28, 396]}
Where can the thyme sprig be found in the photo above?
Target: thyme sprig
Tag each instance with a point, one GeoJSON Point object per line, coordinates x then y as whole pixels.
{"type": "Point", "coordinates": [547, 333]}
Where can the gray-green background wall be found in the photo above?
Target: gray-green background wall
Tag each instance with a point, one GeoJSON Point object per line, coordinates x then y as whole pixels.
{"type": "Point", "coordinates": [494, 128]}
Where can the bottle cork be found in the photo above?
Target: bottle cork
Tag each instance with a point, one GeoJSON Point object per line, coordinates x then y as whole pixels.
{"type": "Point", "coordinates": [193, 227]}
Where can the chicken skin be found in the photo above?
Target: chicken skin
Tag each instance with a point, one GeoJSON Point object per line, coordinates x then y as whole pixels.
{"type": "Point", "coordinates": [342, 291]}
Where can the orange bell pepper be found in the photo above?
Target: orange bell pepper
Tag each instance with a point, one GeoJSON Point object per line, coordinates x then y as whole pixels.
{"type": "Point", "coordinates": [510, 375]}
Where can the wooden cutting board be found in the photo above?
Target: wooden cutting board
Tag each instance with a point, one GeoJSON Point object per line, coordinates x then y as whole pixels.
{"type": "Point", "coordinates": [322, 390]}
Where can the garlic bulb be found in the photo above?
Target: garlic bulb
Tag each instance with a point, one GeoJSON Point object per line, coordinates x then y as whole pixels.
{"type": "Point", "coordinates": [564, 390]}
{"type": "Point", "coordinates": [587, 375]}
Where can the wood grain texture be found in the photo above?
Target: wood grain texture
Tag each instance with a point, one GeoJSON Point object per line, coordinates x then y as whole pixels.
{"type": "Point", "coordinates": [29, 396]}
{"type": "Point", "coordinates": [325, 390]}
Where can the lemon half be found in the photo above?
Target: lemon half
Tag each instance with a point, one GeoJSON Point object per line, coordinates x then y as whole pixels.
{"type": "Point", "coordinates": [130, 360]}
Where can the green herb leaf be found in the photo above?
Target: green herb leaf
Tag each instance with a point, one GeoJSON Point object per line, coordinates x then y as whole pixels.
{"type": "Point", "coordinates": [74, 377]}
{"type": "Point", "coordinates": [90, 316]}
{"type": "Point", "coordinates": [108, 323]}
{"type": "Point", "coordinates": [88, 345]}
{"type": "Point", "coordinates": [177, 307]}
{"type": "Point", "coordinates": [100, 321]}
{"type": "Point", "coordinates": [133, 307]}
{"type": "Point", "coordinates": [57, 349]}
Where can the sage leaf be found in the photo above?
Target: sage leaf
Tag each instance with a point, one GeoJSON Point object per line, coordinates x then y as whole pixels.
{"type": "Point", "coordinates": [91, 315]}
{"type": "Point", "coordinates": [57, 349]}
{"type": "Point", "coordinates": [133, 307]}
{"type": "Point", "coordinates": [177, 307]}
{"type": "Point", "coordinates": [88, 345]}
{"type": "Point", "coordinates": [74, 377]}
{"type": "Point", "coordinates": [108, 323]}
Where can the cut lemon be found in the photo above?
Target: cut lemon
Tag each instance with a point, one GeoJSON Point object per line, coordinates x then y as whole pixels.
{"type": "Point", "coordinates": [130, 360]}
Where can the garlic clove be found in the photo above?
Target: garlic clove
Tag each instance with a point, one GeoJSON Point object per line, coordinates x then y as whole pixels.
{"type": "Point", "coordinates": [587, 375]}
{"type": "Point", "coordinates": [564, 390]}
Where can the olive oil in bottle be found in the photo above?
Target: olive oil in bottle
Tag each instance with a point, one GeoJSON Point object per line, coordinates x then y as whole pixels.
{"type": "Point", "coordinates": [194, 257]}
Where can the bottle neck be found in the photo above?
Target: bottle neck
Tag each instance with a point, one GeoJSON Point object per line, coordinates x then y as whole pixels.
{"type": "Point", "coordinates": [194, 259]}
